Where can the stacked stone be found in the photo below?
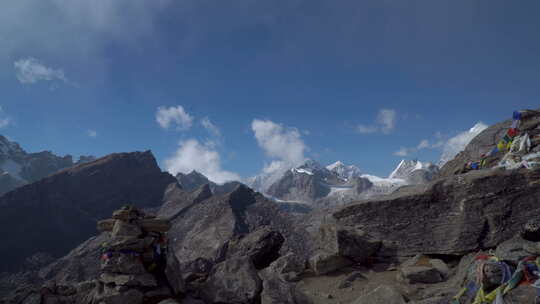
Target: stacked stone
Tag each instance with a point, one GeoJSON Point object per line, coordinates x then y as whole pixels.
{"type": "Point", "coordinates": [133, 260]}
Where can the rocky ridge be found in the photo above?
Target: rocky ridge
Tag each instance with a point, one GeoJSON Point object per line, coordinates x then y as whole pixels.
{"type": "Point", "coordinates": [55, 214]}
{"type": "Point", "coordinates": [18, 168]}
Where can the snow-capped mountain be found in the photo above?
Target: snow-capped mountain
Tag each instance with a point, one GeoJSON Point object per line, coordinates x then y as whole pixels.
{"type": "Point", "coordinates": [17, 167]}
{"type": "Point", "coordinates": [414, 171]}
{"type": "Point", "coordinates": [343, 171]}
{"type": "Point", "coordinates": [338, 183]}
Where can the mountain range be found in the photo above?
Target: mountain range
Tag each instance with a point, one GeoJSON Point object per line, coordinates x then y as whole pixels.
{"type": "Point", "coordinates": [338, 183]}
{"type": "Point", "coordinates": [18, 168]}
{"type": "Point", "coordinates": [417, 244]}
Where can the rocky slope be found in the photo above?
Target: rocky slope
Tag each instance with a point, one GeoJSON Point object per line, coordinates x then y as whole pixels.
{"type": "Point", "coordinates": [488, 139]}
{"type": "Point", "coordinates": [17, 167]}
{"type": "Point", "coordinates": [56, 213]}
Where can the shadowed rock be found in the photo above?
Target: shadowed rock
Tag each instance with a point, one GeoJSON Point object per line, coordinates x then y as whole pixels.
{"type": "Point", "coordinates": [57, 213]}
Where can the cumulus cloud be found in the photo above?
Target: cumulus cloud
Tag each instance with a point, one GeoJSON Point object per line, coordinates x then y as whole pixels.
{"type": "Point", "coordinates": [458, 143]}
{"type": "Point", "coordinates": [91, 133]}
{"type": "Point", "coordinates": [283, 145]}
{"type": "Point", "coordinates": [210, 127]}
{"type": "Point", "coordinates": [279, 142]}
{"type": "Point", "coordinates": [384, 123]}
{"type": "Point", "coordinates": [30, 70]}
{"type": "Point", "coordinates": [202, 157]}
{"type": "Point", "coordinates": [167, 117]}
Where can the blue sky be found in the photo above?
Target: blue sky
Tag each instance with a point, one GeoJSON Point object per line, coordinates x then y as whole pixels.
{"type": "Point", "coordinates": [316, 72]}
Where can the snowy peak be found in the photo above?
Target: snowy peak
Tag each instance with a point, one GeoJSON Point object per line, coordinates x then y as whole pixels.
{"type": "Point", "coordinates": [343, 171]}
{"type": "Point", "coordinates": [410, 169]}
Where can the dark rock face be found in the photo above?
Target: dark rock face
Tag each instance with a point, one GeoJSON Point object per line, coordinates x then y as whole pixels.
{"type": "Point", "coordinates": [19, 167]}
{"type": "Point", "coordinates": [8, 182]}
{"type": "Point", "coordinates": [208, 234]}
{"type": "Point", "coordinates": [55, 214]}
{"type": "Point", "coordinates": [455, 215]}
{"type": "Point", "coordinates": [233, 281]}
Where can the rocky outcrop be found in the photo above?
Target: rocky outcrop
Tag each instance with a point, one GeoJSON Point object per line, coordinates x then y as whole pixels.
{"type": "Point", "coordinates": [455, 215]}
{"type": "Point", "coordinates": [239, 224]}
{"type": "Point", "coordinates": [487, 140]}
{"type": "Point", "coordinates": [58, 212]}
{"type": "Point", "coordinates": [422, 269]}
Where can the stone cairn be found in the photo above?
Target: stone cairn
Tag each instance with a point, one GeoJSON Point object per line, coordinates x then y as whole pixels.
{"type": "Point", "coordinates": [134, 259]}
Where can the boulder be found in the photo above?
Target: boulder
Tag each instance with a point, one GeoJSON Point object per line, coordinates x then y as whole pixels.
{"type": "Point", "coordinates": [422, 269]}
{"type": "Point", "coordinates": [145, 280]}
{"type": "Point", "coordinates": [122, 263]}
{"type": "Point", "coordinates": [278, 288]}
{"type": "Point", "coordinates": [123, 229]}
{"type": "Point", "coordinates": [349, 242]}
{"type": "Point", "coordinates": [383, 294]}
{"type": "Point", "coordinates": [155, 225]}
{"type": "Point", "coordinates": [173, 276]}
{"type": "Point", "coordinates": [232, 281]}
{"type": "Point", "coordinates": [454, 215]}
{"type": "Point", "coordinates": [324, 262]}
{"type": "Point", "coordinates": [513, 249]}
{"type": "Point", "coordinates": [348, 281]}
{"type": "Point", "coordinates": [261, 246]}
{"type": "Point", "coordinates": [112, 295]}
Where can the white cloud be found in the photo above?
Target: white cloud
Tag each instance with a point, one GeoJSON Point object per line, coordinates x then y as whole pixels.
{"type": "Point", "coordinates": [387, 118]}
{"type": "Point", "coordinates": [30, 70]}
{"type": "Point", "coordinates": [4, 120]}
{"type": "Point", "coordinates": [384, 123]}
{"type": "Point", "coordinates": [192, 155]}
{"type": "Point", "coordinates": [284, 144]}
{"type": "Point", "coordinates": [366, 129]}
{"type": "Point", "coordinates": [91, 133]}
{"type": "Point", "coordinates": [166, 117]}
{"type": "Point", "coordinates": [402, 152]}
{"type": "Point", "coordinates": [210, 127]}
{"type": "Point", "coordinates": [458, 143]}
{"type": "Point", "coordinates": [424, 144]}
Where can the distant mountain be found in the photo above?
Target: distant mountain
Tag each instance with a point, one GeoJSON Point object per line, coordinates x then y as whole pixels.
{"type": "Point", "coordinates": [194, 180]}
{"type": "Point", "coordinates": [338, 183]}
{"type": "Point", "coordinates": [415, 172]}
{"type": "Point", "coordinates": [17, 167]}
{"type": "Point", "coordinates": [343, 171]}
